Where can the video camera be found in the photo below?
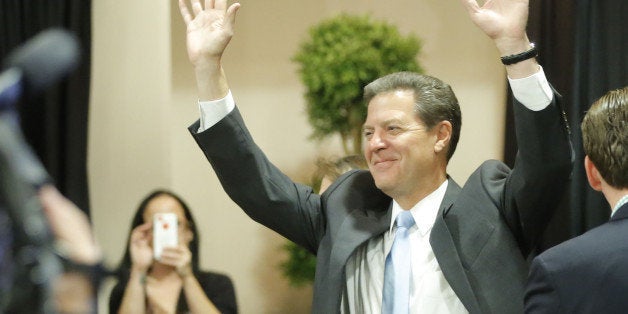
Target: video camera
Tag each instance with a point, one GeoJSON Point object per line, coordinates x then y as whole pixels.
{"type": "Point", "coordinates": [27, 259]}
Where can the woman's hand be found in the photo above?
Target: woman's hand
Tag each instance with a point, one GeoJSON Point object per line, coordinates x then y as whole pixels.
{"type": "Point", "coordinates": [178, 257]}
{"type": "Point", "coordinates": [141, 251]}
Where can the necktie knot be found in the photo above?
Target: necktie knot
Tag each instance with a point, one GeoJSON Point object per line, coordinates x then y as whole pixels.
{"type": "Point", "coordinates": [405, 219]}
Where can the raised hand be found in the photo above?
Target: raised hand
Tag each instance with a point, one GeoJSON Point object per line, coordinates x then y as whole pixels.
{"type": "Point", "coordinates": [209, 29]}
{"type": "Point", "coordinates": [504, 21]}
{"type": "Point", "coordinates": [141, 251]}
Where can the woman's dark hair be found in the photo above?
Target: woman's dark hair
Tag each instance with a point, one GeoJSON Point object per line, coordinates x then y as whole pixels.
{"type": "Point", "coordinates": [138, 219]}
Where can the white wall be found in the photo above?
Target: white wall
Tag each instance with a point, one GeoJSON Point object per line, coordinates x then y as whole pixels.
{"type": "Point", "coordinates": [144, 97]}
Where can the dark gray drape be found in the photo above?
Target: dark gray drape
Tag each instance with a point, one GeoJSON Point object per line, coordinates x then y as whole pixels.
{"type": "Point", "coordinates": [55, 123]}
{"type": "Point", "coordinates": [584, 52]}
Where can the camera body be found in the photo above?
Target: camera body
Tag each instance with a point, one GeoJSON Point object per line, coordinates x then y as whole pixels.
{"type": "Point", "coordinates": [165, 232]}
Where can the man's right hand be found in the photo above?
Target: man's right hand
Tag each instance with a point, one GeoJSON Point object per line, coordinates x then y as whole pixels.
{"type": "Point", "coordinates": [209, 30]}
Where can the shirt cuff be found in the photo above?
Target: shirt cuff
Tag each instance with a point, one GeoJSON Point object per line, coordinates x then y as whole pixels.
{"type": "Point", "coordinates": [213, 111]}
{"type": "Point", "coordinates": [533, 91]}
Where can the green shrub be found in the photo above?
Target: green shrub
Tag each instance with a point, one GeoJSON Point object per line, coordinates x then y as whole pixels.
{"type": "Point", "coordinates": [341, 55]}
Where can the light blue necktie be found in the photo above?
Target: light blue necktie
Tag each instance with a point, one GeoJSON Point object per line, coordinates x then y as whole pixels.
{"type": "Point", "coordinates": [396, 292]}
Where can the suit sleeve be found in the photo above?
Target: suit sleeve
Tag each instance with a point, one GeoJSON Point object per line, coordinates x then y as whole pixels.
{"type": "Point", "coordinates": [540, 296]}
{"type": "Point", "coordinates": [541, 172]}
{"type": "Point", "coordinates": [264, 193]}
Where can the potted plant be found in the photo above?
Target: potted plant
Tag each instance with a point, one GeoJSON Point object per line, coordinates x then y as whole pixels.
{"type": "Point", "coordinates": [341, 55]}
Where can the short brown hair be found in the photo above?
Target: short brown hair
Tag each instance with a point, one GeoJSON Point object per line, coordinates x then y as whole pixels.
{"type": "Point", "coordinates": [333, 168]}
{"type": "Point", "coordinates": [434, 101]}
{"type": "Point", "coordinates": [605, 136]}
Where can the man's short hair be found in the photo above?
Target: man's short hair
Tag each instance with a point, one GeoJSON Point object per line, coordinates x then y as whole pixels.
{"type": "Point", "coordinates": [605, 136]}
{"type": "Point", "coordinates": [434, 101]}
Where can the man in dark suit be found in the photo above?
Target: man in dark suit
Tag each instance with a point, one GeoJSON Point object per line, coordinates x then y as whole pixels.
{"type": "Point", "coordinates": [589, 274]}
{"type": "Point", "coordinates": [467, 246]}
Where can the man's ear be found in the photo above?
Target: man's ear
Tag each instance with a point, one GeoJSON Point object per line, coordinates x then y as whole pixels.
{"type": "Point", "coordinates": [593, 176]}
{"type": "Point", "coordinates": [443, 136]}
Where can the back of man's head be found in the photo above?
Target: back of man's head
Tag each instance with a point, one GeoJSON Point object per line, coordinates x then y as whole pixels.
{"type": "Point", "coordinates": [605, 136]}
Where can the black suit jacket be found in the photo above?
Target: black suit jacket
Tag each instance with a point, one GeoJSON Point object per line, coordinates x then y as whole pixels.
{"type": "Point", "coordinates": [587, 274]}
{"type": "Point", "coordinates": [480, 238]}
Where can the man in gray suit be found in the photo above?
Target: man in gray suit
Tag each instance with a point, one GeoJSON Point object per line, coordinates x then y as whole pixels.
{"type": "Point", "coordinates": [467, 246]}
{"type": "Point", "coordinates": [589, 274]}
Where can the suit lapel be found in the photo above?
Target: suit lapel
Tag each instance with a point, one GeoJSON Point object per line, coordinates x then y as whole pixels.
{"type": "Point", "coordinates": [359, 226]}
{"type": "Point", "coordinates": [445, 251]}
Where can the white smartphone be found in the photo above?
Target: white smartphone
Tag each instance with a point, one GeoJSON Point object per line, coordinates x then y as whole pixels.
{"type": "Point", "coordinates": [165, 233]}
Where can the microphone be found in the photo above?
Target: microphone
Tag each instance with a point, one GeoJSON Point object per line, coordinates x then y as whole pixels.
{"type": "Point", "coordinates": [38, 64]}
{"type": "Point", "coordinates": [31, 68]}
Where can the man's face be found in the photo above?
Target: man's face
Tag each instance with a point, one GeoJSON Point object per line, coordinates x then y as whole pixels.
{"type": "Point", "coordinates": [399, 150]}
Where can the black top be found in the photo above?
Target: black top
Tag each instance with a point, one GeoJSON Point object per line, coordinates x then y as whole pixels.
{"type": "Point", "coordinates": [218, 288]}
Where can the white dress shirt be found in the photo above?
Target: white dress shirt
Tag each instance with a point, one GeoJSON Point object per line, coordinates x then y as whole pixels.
{"type": "Point", "coordinates": [429, 291]}
{"type": "Point", "coordinates": [619, 204]}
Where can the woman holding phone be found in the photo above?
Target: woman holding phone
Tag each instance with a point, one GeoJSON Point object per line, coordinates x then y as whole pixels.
{"type": "Point", "coordinates": [173, 283]}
